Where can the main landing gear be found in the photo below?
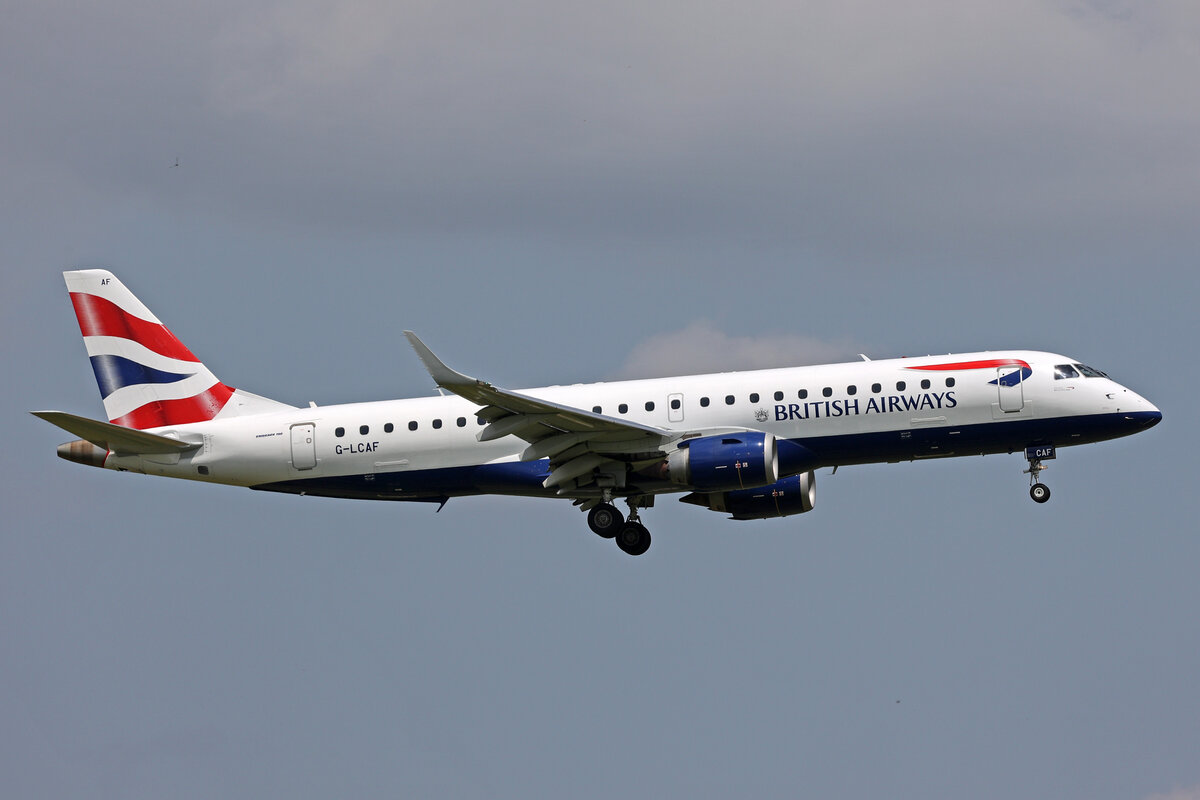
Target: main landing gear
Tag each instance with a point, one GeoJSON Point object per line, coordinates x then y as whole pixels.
{"type": "Point", "coordinates": [631, 535]}
{"type": "Point", "coordinates": [605, 520]}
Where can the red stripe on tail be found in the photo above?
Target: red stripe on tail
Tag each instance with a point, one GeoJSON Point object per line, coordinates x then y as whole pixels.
{"type": "Point", "coordinates": [100, 317]}
{"type": "Point", "coordinates": [198, 408]}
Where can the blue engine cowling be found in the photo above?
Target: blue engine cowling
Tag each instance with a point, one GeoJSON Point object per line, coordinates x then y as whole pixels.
{"type": "Point", "coordinates": [793, 495]}
{"type": "Point", "coordinates": [732, 461]}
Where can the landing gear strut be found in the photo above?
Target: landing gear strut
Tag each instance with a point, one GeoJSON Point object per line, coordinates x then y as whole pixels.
{"type": "Point", "coordinates": [633, 537]}
{"type": "Point", "coordinates": [1039, 491]}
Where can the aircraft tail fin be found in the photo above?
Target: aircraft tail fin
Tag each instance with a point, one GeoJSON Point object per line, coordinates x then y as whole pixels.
{"type": "Point", "coordinates": [147, 377]}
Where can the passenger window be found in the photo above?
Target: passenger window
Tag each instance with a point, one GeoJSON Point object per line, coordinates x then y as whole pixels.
{"type": "Point", "coordinates": [900, 386]}
{"type": "Point", "coordinates": [437, 423]}
{"type": "Point", "coordinates": [925, 384]}
{"type": "Point", "coordinates": [949, 382]}
{"type": "Point", "coordinates": [754, 397]}
{"type": "Point", "coordinates": [675, 404]}
{"type": "Point", "coordinates": [597, 410]}
{"type": "Point", "coordinates": [827, 392]}
{"type": "Point", "coordinates": [339, 431]}
{"type": "Point", "coordinates": [363, 430]}
{"type": "Point", "coordinates": [802, 394]}
{"type": "Point", "coordinates": [851, 390]}
{"type": "Point", "coordinates": [388, 427]}
{"type": "Point", "coordinates": [623, 408]}
{"type": "Point", "coordinates": [778, 396]}
{"type": "Point", "coordinates": [461, 422]}
{"type": "Point", "coordinates": [704, 402]}
{"type": "Point", "coordinates": [876, 388]}
{"type": "Point", "coordinates": [412, 426]}
{"type": "Point", "coordinates": [650, 406]}
{"type": "Point", "coordinates": [728, 399]}
{"type": "Point", "coordinates": [1064, 371]}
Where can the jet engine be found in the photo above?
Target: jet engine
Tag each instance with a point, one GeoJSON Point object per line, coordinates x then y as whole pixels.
{"type": "Point", "coordinates": [793, 495]}
{"type": "Point", "coordinates": [731, 461]}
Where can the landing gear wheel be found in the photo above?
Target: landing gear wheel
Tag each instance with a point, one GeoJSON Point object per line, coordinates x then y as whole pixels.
{"type": "Point", "coordinates": [605, 520]}
{"type": "Point", "coordinates": [634, 539]}
{"type": "Point", "coordinates": [1037, 490]}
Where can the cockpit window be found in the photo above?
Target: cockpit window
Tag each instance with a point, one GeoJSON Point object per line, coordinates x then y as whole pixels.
{"type": "Point", "coordinates": [1088, 372]}
{"type": "Point", "coordinates": [1064, 371]}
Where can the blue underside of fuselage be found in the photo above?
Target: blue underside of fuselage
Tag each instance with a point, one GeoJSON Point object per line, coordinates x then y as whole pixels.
{"type": "Point", "coordinates": [795, 456]}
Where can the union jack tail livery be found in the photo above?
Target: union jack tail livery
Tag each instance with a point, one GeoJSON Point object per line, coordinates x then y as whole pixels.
{"type": "Point", "coordinates": [147, 377]}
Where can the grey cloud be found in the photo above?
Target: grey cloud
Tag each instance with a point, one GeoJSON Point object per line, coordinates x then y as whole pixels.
{"type": "Point", "coordinates": [809, 123]}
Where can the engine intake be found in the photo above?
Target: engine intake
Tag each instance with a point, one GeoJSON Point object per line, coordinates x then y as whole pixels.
{"type": "Point", "coordinates": [734, 461]}
{"type": "Point", "coordinates": [793, 495]}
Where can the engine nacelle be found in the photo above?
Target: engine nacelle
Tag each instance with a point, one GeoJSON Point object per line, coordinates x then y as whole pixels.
{"type": "Point", "coordinates": [732, 461]}
{"type": "Point", "coordinates": [793, 495]}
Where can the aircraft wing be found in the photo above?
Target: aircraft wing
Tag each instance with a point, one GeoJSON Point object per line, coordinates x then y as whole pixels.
{"type": "Point", "coordinates": [576, 441]}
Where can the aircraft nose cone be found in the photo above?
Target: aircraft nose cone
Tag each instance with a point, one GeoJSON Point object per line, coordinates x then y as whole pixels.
{"type": "Point", "coordinates": [1145, 416]}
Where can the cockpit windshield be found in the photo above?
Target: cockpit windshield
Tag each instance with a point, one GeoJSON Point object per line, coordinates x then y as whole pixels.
{"type": "Point", "coordinates": [1088, 372]}
{"type": "Point", "coordinates": [1064, 371]}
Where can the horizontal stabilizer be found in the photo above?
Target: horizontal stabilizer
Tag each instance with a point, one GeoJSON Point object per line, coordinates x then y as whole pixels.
{"type": "Point", "coordinates": [114, 437]}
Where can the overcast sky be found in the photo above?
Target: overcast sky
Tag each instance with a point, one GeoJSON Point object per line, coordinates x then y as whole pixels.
{"type": "Point", "coordinates": [562, 192]}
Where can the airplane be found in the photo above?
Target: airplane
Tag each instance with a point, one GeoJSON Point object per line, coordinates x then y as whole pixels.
{"type": "Point", "coordinates": [747, 444]}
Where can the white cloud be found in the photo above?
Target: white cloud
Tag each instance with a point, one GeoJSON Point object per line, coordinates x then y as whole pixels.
{"type": "Point", "coordinates": [701, 347]}
{"type": "Point", "coordinates": [1191, 793]}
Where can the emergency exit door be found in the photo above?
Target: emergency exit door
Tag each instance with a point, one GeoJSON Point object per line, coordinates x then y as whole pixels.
{"type": "Point", "coordinates": [304, 448]}
{"type": "Point", "coordinates": [674, 408]}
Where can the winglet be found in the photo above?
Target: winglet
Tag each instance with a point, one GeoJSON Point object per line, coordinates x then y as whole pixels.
{"type": "Point", "coordinates": [442, 375]}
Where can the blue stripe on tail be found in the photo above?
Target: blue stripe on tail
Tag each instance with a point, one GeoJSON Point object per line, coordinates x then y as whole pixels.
{"type": "Point", "coordinates": [116, 372]}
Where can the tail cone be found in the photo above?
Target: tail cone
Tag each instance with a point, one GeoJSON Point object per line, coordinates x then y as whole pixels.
{"type": "Point", "coordinates": [83, 452]}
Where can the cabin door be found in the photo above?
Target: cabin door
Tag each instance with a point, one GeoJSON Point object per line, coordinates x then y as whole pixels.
{"type": "Point", "coordinates": [1010, 388]}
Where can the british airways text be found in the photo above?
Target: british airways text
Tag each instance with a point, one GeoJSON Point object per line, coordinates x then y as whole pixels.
{"type": "Point", "coordinates": [816, 409]}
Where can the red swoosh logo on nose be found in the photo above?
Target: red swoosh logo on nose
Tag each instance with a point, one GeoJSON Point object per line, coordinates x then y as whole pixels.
{"type": "Point", "coordinates": [994, 363]}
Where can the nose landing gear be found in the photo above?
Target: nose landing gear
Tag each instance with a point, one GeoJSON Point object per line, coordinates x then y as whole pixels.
{"type": "Point", "coordinates": [1039, 491]}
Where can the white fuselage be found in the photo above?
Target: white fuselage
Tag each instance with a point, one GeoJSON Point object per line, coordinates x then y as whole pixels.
{"type": "Point", "coordinates": [859, 412]}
